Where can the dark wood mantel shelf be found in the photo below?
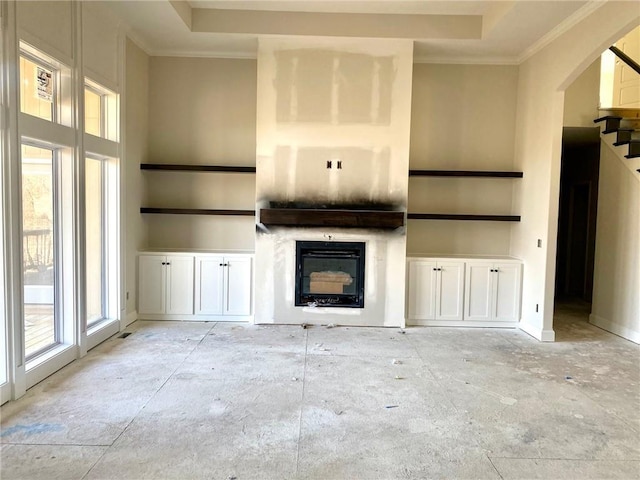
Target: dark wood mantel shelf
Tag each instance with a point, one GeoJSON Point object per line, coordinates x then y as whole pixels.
{"type": "Point", "coordinates": [454, 216]}
{"type": "Point", "coordinates": [464, 173]}
{"type": "Point", "coordinates": [197, 211]}
{"type": "Point", "coordinates": [328, 217]}
{"type": "Point", "coordinates": [196, 168]}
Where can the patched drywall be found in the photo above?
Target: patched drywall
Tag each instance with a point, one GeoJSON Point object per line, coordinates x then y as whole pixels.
{"type": "Point", "coordinates": [333, 129]}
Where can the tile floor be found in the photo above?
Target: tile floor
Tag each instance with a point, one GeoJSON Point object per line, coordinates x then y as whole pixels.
{"type": "Point", "coordinates": [230, 401]}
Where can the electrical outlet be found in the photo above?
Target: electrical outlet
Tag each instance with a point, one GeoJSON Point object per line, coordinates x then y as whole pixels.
{"type": "Point", "coordinates": [536, 308]}
{"type": "Point", "coordinates": [539, 243]}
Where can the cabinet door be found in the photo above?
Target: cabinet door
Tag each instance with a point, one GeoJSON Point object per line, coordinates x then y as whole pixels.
{"type": "Point", "coordinates": [478, 293]}
{"type": "Point", "coordinates": [151, 284]}
{"type": "Point", "coordinates": [507, 291]}
{"type": "Point", "coordinates": [449, 290]}
{"type": "Point", "coordinates": [209, 285]}
{"type": "Point", "coordinates": [238, 283]}
{"type": "Point", "coordinates": [422, 286]}
{"type": "Point", "coordinates": [179, 285]}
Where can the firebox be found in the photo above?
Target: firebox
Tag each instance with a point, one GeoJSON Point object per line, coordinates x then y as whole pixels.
{"type": "Point", "coordinates": [330, 274]}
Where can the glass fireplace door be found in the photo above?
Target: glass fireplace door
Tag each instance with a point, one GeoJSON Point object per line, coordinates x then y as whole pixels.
{"type": "Point", "coordinates": [330, 274]}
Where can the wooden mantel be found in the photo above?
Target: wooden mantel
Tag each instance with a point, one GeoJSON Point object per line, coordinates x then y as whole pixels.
{"type": "Point", "coordinates": [329, 217]}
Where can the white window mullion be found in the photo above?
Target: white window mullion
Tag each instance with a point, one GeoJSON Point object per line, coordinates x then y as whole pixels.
{"type": "Point", "coordinates": [12, 212]}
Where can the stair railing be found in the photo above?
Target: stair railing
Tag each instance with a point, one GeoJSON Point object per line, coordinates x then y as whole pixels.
{"type": "Point", "coordinates": [625, 58]}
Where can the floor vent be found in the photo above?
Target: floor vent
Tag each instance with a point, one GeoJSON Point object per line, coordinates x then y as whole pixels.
{"type": "Point", "coordinates": [124, 335]}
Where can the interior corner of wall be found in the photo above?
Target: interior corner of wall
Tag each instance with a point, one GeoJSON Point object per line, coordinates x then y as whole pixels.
{"type": "Point", "coordinates": [130, 318]}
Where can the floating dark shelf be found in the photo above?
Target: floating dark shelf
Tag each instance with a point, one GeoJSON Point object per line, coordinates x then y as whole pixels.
{"type": "Point", "coordinates": [327, 217]}
{"type": "Point", "coordinates": [196, 168]}
{"type": "Point", "coordinates": [451, 216]}
{"type": "Point", "coordinates": [464, 173]}
{"type": "Point", "coordinates": [197, 211]}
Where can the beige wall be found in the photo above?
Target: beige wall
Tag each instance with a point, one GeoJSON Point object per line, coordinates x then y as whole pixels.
{"type": "Point", "coordinates": [100, 44]}
{"type": "Point", "coordinates": [136, 152]}
{"type": "Point", "coordinates": [542, 81]}
{"type": "Point", "coordinates": [462, 118]}
{"type": "Point", "coordinates": [616, 304]}
{"type": "Point", "coordinates": [201, 111]}
{"type": "Point", "coordinates": [582, 97]}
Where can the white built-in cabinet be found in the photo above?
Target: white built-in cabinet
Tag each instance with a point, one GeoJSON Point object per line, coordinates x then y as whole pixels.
{"type": "Point", "coordinates": [435, 290]}
{"type": "Point", "coordinates": [195, 286]}
{"type": "Point", "coordinates": [463, 291]}
{"type": "Point", "coordinates": [492, 291]}
{"type": "Point", "coordinates": [222, 285]}
{"type": "Point", "coordinates": [165, 285]}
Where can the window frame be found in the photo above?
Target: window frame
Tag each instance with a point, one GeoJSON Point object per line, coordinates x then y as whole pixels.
{"type": "Point", "coordinates": [39, 61]}
{"type": "Point", "coordinates": [104, 244]}
{"type": "Point", "coordinates": [57, 235]}
{"type": "Point", "coordinates": [108, 109]}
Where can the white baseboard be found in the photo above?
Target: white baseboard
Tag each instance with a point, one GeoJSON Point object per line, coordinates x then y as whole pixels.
{"type": "Point", "coordinates": [460, 323]}
{"type": "Point", "coordinates": [538, 333]}
{"type": "Point", "coordinates": [616, 328]}
{"type": "Point", "coordinates": [130, 318]}
{"type": "Point", "coordinates": [197, 318]}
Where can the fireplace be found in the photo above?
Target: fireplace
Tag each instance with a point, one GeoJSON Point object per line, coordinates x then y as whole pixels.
{"type": "Point", "coordinates": [330, 274]}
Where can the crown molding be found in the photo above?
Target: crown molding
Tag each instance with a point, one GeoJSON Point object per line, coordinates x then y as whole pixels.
{"type": "Point", "coordinates": [201, 54]}
{"type": "Point", "coordinates": [561, 28]}
{"type": "Point", "coordinates": [467, 60]}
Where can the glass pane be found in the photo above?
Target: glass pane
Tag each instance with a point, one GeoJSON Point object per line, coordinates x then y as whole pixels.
{"type": "Point", "coordinates": [38, 223]}
{"type": "Point", "coordinates": [329, 275]}
{"type": "Point", "coordinates": [92, 112]}
{"type": "Point", "coordinates": [36, 89]}
{"type": "Point", "coordinates": [94, 239]}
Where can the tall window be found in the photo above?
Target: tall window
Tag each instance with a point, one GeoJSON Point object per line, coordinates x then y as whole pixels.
{"type": "Point", "coordinates": [100, 120]}
{"type": "Point", "coordinates": [39, 226]}
{"type": "Point", "coordinates": [95, 240]}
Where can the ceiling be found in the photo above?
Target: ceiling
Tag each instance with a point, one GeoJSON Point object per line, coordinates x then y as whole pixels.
{"type": "Point", "coordinates": [473, 31]}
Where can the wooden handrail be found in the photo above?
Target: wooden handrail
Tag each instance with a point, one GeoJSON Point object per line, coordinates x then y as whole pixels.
{"type": "Point", "coordinates": [625, 58]}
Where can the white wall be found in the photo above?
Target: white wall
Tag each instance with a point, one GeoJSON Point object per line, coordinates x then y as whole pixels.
{"type": "Point", "coordinates": [542, 81]}
{"type": "Point", "coordinates": [581, 98]}
{"type": "Point", "coordinates": [616, 303]}
{"type": "Point", "coordinates": [462, 118]}
{"type": "Point", "coordinates": [201, 111]}
{"type": "Point", "coordinates": [136, 137]}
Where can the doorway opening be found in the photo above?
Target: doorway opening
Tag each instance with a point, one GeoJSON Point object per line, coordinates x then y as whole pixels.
{"type": "Point", "coordinates": [577, 214]}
